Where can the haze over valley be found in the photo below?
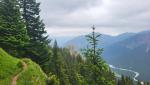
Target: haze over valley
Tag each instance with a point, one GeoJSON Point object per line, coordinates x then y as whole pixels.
{"type": "Point", "coordinates": [127, 50]}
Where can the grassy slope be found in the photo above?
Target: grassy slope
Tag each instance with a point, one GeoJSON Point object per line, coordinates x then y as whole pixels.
{"type": "Point", "coordinates": [33, 75]}
{"type": "Point", "coordinates": [10, 66]}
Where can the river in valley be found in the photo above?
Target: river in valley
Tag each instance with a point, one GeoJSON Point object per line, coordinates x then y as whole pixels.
{"type": "Point", "coordinates": [123, 69]}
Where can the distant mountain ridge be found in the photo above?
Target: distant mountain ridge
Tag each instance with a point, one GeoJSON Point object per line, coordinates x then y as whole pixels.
{"type": "Point", "coordinates": [133, 52]}
{"type": "Point", "coordinates": [104, 40]}
{"type": "Point", "coordinates": [128, 50]}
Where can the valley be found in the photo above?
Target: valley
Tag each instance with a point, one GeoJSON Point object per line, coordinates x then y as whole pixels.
{"type": "Point", "coordinates": [125, 50]}
{"type": "Point", "coordinates": [136, 74]}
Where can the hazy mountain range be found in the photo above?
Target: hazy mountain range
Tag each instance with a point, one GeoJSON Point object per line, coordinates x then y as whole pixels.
{"type": "Point", "coordinates": [128, 50]}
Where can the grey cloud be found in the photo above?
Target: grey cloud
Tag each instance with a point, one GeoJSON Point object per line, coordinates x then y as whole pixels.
{"type": "Point", "coordinates": [115, 14]}
{"type": "Point", "coordinates": [53, 11]}
{"type": "Point", "coordinates": [66, 5]}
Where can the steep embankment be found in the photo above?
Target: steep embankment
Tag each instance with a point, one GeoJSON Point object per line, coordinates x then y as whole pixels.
{"type": "Point", "coordinates": [33, 75]}
{"type": "Point", "coordinates": [15, 78]}
{"type": "Point", "coordinates": [19, 72]}
{"type": "Point", "coordinates": [8, 68]}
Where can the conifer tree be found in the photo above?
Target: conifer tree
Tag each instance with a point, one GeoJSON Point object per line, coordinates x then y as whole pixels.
{"type": "Point", "coordinates": [13, 35]}
{"type": "Point", "coordinates": [96, 67]}
{"type": "Point", "coordinates": [57, 65]}
{"type": "Point", "coordinates": [95, 55]}
{"type": "Point", "coordinates": [38, 49]}
{"type": "Point", "coordinates": [34, 25]}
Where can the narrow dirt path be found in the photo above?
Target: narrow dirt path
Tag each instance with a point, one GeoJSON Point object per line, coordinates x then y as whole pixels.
{"type": "Point", "coordinates": [15, 78]}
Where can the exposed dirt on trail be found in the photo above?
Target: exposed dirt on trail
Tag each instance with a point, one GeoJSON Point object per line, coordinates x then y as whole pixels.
{"type": "Point", "coordinates": [15, 78]}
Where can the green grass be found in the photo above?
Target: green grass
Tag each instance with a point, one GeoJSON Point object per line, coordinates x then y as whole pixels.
{"type": "Point", "coordinates": [33, 75]}
{"type": "Point", "coordinates": [10, 66]}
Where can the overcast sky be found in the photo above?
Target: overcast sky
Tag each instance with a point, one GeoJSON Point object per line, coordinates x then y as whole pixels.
{"type": "Point", "coordinates": [75, 17]}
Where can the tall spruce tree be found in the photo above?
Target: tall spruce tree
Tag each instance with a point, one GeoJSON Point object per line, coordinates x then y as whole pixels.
{"type": "Point", "coordinates": [38, 49]}
{"type": "Point", "coordinates": [13, 35]}
{"type": "Point", "coordinates": [57, 66]}
{"type": "Point", "coordinates": [98, 71]}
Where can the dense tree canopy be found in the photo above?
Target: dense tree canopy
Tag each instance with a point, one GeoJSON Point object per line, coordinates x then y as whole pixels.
{"type": "Point", "coordinates": [36, 32]}
{"type": "Point", "coordinates": [13, 35]}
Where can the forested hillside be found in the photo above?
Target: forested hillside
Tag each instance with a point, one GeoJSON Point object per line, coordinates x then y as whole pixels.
{"type": "Point", "coordinates": [32, 59]}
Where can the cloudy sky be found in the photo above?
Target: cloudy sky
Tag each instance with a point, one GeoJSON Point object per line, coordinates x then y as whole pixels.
{"type": "Point", "coordinates": [75, 17]}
